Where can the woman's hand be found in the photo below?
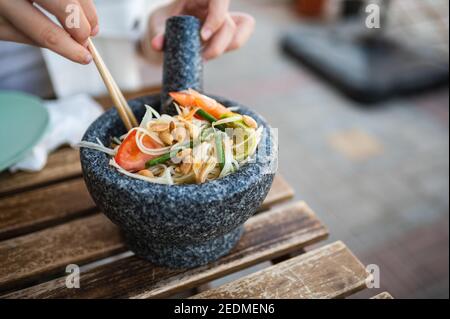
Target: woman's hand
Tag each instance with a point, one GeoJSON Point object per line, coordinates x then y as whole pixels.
{"type": "Point", "coordinates": [21, 21]}
{"type": "Point", "coordinates": [222, 30]}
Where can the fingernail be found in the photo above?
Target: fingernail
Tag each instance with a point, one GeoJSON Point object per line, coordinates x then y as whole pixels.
{"type": "Point", "coordinates": [95, 31]}
{"type": "Point", "coordinates": [88, 58]}
{"type": "Point", "coordinates": [206, 34]}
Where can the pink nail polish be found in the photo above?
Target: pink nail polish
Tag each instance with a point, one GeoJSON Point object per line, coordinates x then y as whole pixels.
{"type": "Point", "coordinates": [95, 31]}
{"type": "Point", "coordinates": [206, 34]}
{"type": "Point", "coordinates": [88, 58]}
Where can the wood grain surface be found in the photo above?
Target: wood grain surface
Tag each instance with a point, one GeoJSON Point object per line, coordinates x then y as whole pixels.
{"type": "Point", "coordinates": [53, 204]}
{"type": "Point", "coordinates": [328, 272]}
{"type": "Point", "coordinates": [267, 235]}
{"type": "Point", "coordinates": [48, 252]}
{"type": "Point", "coordinates": [281, 191]}
{"type": "Point", "coordinates": [36, 209]}
{"type": "Point", "coordinates": [106, 101]}
{"type": "Point", "coordinates": [63, 164]}
{"type": "Point", "coordinates": [46, 206]}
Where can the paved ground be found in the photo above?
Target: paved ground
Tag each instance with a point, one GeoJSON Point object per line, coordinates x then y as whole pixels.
{"type": "Point", "coordinates": [378, 178]}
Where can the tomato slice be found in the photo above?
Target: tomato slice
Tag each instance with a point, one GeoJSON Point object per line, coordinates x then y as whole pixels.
{"type": "Point", "coordinates": [130, 157]}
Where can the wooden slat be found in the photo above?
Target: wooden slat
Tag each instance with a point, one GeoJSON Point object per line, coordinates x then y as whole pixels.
{"type": "Point", "coordinates": [383, 295]}
{"type": "Point", "coordinates": [267, 235]}
{"type": "Point", "coordinates": [42, 254]}
{"type": "Point", "coordinates": [280, 192]}
{"type": "Point", "coordinates": [62, 164]}
{"type": "Point", "coordinates": [45, 206]}
{"type": "Point", "coordinates": [106, 102]}
{"type": "Point", "coordinates": [328, 272]}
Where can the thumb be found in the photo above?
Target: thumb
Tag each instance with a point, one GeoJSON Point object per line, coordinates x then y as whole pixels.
{"type": "Point", "coordinates": [158, 42]}
{"type": "Point", "coordinates": [217, 14]}
{"type": "Point", "coordinates": [157, 27]}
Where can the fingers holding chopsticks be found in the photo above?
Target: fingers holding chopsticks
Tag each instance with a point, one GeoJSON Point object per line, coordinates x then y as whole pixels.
{"type": "Point", "coordinates": [9, 33]}
{"type": "Point", "coordinates": [28, 24]}
{"type": "Point", "coordinates": [72, 17]}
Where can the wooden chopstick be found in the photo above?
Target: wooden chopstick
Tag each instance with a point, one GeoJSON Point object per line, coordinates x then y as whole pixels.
{"type": "Point", "coordinates": [125, 112]}
{"type": "Point", "coordinates": [121, 104]}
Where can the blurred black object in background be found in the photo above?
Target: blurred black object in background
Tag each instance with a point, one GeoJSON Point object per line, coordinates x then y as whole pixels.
{"type": "Point", "coordinates": [351, 8]}
{"type": "Point", "coordinates": [365, 64]}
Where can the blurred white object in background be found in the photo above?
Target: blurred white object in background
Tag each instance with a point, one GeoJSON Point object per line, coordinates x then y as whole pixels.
{"type": "Point", "coordinates": [121, 25]}
{"type": "Point", "coordinates": [69, 119]}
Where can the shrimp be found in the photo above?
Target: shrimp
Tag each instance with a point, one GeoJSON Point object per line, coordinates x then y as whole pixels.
{"type": "Point", "coordinates": [191, 98]}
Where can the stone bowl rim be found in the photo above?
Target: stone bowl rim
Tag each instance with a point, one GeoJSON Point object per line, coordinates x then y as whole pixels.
{"type": "Point", "coordinates": [110, 176]}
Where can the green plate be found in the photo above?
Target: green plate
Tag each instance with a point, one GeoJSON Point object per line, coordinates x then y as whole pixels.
{"type": "Point", "coordinates": [23, 122]}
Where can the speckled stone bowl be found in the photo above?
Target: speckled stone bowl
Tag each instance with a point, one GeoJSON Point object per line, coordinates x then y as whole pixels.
{"type": "Point", "coordinates": [178, 226]}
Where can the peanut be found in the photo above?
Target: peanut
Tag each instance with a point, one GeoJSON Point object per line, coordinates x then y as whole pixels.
{"type": "Point", "coordinates": [166, 137]}
{"type": "Point", "coordinates": [146, 173]}
{"type": "Point", "coordinates": [159, 127]}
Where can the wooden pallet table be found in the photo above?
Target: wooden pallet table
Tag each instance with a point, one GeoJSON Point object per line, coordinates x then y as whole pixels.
{"type": "Point", "coordinates": [48, 221]}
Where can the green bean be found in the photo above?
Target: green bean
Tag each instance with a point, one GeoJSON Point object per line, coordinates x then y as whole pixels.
{"type": "Point", "coordinates": [159, 160]}
{"type": "Point", "coordinates": [220, 150]}
{"type": "Point", "coordinates": [206, 116]}
{"type": "Point", "coordinates": [164, 158]}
